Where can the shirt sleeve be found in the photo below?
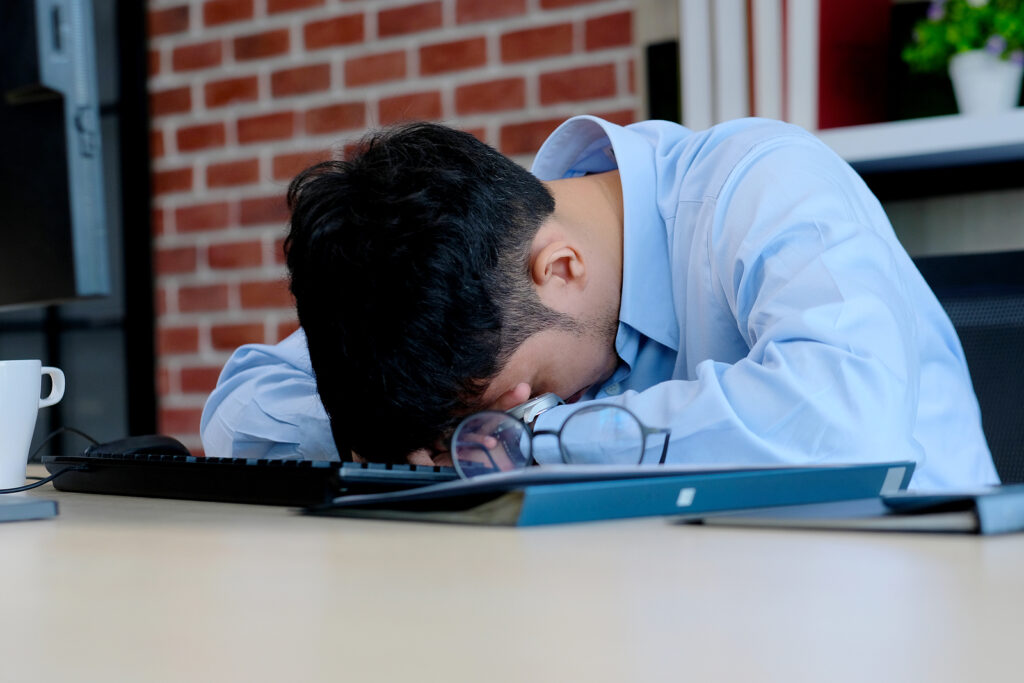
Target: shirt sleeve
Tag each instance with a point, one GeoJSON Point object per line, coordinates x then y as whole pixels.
{"type": "Point", "coordinates": [266, 405]}
{"type": "Point", "coordinates": [793, 250]}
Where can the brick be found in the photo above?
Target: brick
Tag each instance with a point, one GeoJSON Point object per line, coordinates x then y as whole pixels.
{"type": "Point", "coordinates": [526, 138]}
{"type": "Point", "coordinates": [611, 30]}
{"type": "Point", "coordinates": [201, 136]}
{"type": "Point", "coordinates": [275, 6]}
{"type": "Point", "coordinates": [177, 340]}
{"type": "Point", "coordinates": [300, 80]}
{"type": "Point", "coordinates": [202, 298]}
{"type": "Point", "coordinates": [217, 12]}
{"type": "Point", "coordinates": [156, 221]}
{"type": "Point", "coordinates": [172, 180]}
{"type": "Point", "coordinates": [166, 21]}
{"type": "Point", "coordinates": [453, 56]}
{"type": "Point", "coordinates": [173, 421]}
{"type": "Point", "coordinates": [209, 216]}
{"type": "Point", "coordinates": [558, 4]}
{"type": "Point", "coordinates": [231, 336]}
{"type": "Point", "coordinates": [156, 143]}
{"type": "Point", "coordinates": [174, 260]}
{"type": "Point", "coordinates": [335, 117]}
{"type": "Point", "coordinates": [536, 43]}
{"type": "Point", "coordinates": [197, 56]}
{"type": "Point", "coordinates": [266, 294]}
{"type": "Point", "coordinates": [170, 101]}
{"type": "Point", "coordinates": [479, 133]}
{"type": "Point", "coordinates": [284, 329]}
{"type": "Point", "coordinates": [413, 106]}
{"type": "Point", "coordinates": [160, 301]}
{"type": "Point", "coordinates": [287, 166]}
{"type": "Point", "coordinates": [499, 95]}
{"type": "Point", "coordinates": [278, 126]}
{"type": "Point", "coordinates": [153, 62]}
{"type": "Point", "coordinates": [232, 173]}
{"type": "Point", "coordinates": [409, 19]}
{"type": "Point", "coordinates": [351, 150]}
{"type": "Point", "coordinates": [344, 30]}
{"type": "Point", "coordinates": [279, 255]}
{"type": "Point", "coordinates": [231, 90]}
{"type": "Point", "coordinates": [386, 66]}
{"type": "Point", "coordinates": [622, 117]}
{"type": "Point", "coordinates": [263, 210]}
{"type": "Point", "coordinates": [199, 379]}
{"type": "Point", "coordinates": [163, 382]}
{"type": "Point", "coordinates": [487, 10]}
{"type": "Point", "coordinates": [235, 255]}
{"type": "Point", "coordinates": [261, 45]}
{"type": "Point", "coordinates": [574, 85]}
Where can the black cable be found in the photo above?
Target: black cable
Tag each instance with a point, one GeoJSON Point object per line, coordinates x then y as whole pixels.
{"type": "Point", "coordinates": [47, 480]}
{"type": "Point", "coordinates": [49, 437]}
{"type": "Point", "coordinates": [57, 432]}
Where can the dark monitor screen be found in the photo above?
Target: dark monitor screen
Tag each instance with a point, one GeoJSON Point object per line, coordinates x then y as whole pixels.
{"type": "Point", "coordinates": [53, 234]}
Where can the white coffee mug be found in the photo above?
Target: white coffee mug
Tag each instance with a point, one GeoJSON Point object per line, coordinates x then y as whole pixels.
{"type": "Point", "coordinates": [20, 384]}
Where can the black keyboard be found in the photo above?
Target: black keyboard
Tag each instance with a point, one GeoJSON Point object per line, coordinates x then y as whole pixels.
{"type": "Point", "coordinates": [233, 480]}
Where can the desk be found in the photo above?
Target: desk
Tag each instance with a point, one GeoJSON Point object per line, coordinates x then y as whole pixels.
{"type": "Point", "coordinates": [131, 589]}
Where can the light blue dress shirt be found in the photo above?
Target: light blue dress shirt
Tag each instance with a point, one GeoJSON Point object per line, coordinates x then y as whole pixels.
{"type": "Point", "coordinates": [768, 316]}
{"type": "Point", "coordinates": [265, 405]}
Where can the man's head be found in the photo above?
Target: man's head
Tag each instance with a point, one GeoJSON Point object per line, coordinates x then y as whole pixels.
{"type": "Point", "coordinates": [411, 268]}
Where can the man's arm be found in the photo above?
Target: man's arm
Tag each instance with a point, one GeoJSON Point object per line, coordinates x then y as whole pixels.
{"type": "Point", "coordinates": [266, 405]}
{"type": "Point", "coordinates": [802, 259]}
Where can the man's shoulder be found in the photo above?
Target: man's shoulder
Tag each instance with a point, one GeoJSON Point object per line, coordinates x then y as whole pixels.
{"type": "Point", "coordinates": [752, 129]}
{"type": "Point", "coordinates": [700, 164]}
{"type": "Point", "coordinates": [738, 139]}
{"type": "Point", "coordinates": [292, 351]}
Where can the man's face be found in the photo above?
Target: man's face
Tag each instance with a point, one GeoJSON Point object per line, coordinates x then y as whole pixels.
{"type": "Point", "coordinates": [560, 361]}
{"type": "Point", "coordinates": [563, 362]}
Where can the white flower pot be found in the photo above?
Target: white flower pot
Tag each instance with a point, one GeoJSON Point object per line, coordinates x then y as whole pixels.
{"type": "Point", "coordinates": [984, 83]}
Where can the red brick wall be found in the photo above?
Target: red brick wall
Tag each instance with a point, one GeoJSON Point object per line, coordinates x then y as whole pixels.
{"type": "Point", "coordinates": [245, 93]}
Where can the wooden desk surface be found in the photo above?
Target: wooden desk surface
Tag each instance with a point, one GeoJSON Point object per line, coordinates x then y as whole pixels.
{"type": "Point", "coordinates": [131, 589]}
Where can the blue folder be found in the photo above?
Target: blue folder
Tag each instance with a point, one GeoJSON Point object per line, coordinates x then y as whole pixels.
{"type": "Point", "coordinates": [15, 508]}
{"type": "Point", "coordinates": [996, 510]}
{"type": "Point", "coordinates": [553, 494]}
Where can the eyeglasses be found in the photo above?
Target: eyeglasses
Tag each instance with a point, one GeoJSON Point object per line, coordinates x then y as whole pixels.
{"type": "Point", "coordinates": [493, 441]}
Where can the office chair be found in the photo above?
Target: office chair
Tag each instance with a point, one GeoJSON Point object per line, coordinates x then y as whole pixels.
{"type": "Point", "coordinates": [984, 297]}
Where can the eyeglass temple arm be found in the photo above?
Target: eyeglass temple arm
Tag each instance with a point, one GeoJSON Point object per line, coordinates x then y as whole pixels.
{"type": "Point", "coordinates": [648, 431]}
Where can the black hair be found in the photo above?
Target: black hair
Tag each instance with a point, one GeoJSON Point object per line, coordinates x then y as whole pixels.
{"type": "Point", "coordinates": [409, 264]}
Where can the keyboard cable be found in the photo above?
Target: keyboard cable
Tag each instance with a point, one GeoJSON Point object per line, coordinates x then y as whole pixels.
{"type": "Point", "coordinates": [70, 468]}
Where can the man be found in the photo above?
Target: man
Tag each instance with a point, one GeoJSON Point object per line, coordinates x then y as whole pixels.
{"type": "Point", "coordinates": [739, 286]}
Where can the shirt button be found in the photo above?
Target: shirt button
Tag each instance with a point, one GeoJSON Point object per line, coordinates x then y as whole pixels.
{"type": "Point", "coordinates": [612, 389]}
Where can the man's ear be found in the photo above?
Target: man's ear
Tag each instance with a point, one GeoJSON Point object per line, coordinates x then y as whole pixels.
{"type": "Point", "coordinates": [559, 264]}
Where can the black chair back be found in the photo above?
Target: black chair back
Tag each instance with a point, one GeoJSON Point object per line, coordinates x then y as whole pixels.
{"type": "Point", "coordinates": [984, 297]}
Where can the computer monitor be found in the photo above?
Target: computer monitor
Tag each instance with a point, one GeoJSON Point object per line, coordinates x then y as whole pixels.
{"type": "Point", "coordinates": [53, 232]}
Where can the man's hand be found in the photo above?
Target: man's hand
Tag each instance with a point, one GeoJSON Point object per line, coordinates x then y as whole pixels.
{"type": "Point", "coordinates": [427, 458]}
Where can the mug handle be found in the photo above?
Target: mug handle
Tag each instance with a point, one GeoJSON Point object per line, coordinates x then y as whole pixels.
{"type": "Point", "coordinates": [57, 390]}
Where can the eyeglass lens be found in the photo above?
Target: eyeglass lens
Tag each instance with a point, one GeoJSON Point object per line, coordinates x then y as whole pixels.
{"type": "Point", "coordinates": [490, 442]}
{"type": "Point", "coordinates": [602, 435]}
{"type": "Point", "coordinates": [493, 441]}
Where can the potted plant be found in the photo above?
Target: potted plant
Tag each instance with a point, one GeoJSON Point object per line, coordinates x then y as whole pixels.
{"type": "Point", "coordinates": [981, 42]}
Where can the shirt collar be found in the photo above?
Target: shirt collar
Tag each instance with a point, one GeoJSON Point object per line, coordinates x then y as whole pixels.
{"type": "Point", "coordinates": [587, 144]}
